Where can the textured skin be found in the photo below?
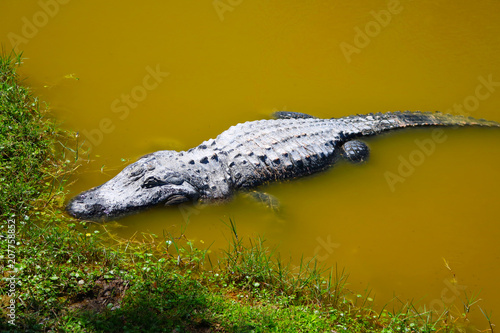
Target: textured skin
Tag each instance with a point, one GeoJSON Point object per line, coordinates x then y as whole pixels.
{"type": "Point", "coordinates": [245, 156]}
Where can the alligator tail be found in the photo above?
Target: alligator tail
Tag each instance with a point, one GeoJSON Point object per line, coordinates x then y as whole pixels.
{"type": "Point", "coordinates": [375, 123]}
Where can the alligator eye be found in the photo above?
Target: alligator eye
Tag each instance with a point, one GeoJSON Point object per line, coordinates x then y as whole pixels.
{"type": "Point", "coordinates": [137, 173]}
{"type": "Point", "coordinates": [152, 182]}
{"type": "Point", "coordinates": [174, 180]}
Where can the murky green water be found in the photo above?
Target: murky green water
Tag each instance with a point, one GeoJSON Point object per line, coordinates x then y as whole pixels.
{"type": "Point", "coordinates": [134, 77]}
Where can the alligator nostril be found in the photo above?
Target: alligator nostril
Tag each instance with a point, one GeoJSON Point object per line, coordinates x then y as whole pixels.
{"type": "Point", "coordinates": [96, 209]}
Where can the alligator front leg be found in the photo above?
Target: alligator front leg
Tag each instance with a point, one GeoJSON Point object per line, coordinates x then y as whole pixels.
{"type": "Point", "coordinates": [355, 151]}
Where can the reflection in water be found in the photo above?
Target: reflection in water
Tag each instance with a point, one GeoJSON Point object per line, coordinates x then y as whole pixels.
{"type": "Point", "coordinates": [171, 75]}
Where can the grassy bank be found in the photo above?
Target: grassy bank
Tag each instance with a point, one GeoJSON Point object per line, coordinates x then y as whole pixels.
{"type": "Point", "coordinates": [64, 275]}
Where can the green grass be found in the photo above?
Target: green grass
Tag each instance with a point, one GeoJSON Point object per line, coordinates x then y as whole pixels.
{"type": "Point", "coordinates": [25, 142]}
{"type": "Point", "coordinates": [77, 277]}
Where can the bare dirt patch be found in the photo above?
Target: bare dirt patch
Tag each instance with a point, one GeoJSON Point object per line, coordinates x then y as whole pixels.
{"type": "Point", "coordinates": [103, 293]}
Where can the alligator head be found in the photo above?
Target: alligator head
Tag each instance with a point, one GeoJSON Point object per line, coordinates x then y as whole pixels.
{"type": "Point", "coordinates": [154, 179]}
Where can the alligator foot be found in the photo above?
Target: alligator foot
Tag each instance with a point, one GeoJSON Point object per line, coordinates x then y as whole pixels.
{"type": "Point", "coordinates": [265, 199]}
{"type": "Point", "coordinates": [355, 151]}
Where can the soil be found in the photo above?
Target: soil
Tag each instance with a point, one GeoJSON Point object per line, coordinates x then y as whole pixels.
{"type": "Point", "coordinates": [103, 293]}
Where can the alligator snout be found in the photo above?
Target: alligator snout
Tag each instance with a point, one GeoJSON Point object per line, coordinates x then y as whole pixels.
{"type": "Point", "coordinates": [129, 192]}
{"type": "Point", "coordinates": [87, 206]}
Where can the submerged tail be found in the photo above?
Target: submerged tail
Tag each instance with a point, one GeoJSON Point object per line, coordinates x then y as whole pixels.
{"type": "Point", "coordinates": [375, 123]}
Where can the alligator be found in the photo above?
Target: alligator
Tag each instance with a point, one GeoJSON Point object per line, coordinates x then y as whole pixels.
{"type": "Point", "coordinates": [245, 156]}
